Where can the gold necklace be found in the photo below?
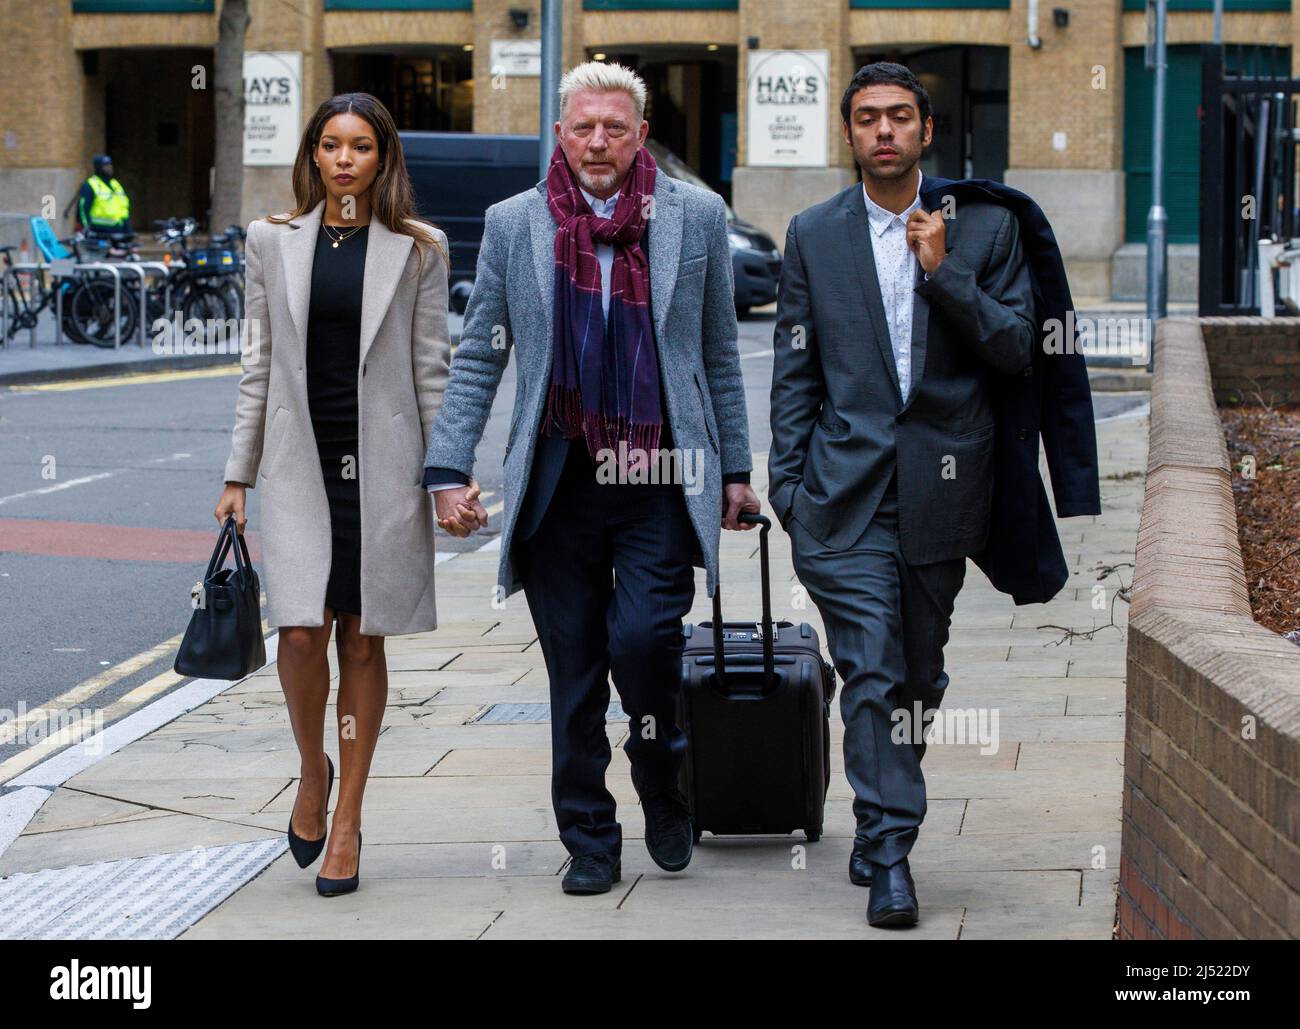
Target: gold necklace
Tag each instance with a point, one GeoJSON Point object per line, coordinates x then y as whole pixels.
{"type": "Point", "coordinates": [340, 237]}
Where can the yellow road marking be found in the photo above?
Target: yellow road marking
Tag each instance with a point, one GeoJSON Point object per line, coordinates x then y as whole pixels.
{"type": "Point", "coordinates": [86, 725]}
{"type": "Point", "coordinates": [129, 380]}
{"type": "Point", "coordinates": [90, 722]}
{"type": "Point", "coordinates": [148, 690]}
{"type": "Point", "coordinates": [82, 692]}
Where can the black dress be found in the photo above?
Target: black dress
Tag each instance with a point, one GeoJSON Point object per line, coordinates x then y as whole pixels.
{"type": "Point", "coordinates": [333, 359]}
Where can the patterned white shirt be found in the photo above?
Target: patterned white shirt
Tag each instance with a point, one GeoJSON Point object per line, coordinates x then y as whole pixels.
{"type": "Point", "coordinates": [896, 270]}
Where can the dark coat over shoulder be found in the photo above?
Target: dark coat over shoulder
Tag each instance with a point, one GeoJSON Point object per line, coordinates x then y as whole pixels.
{"type": "Point", "coordinates": [1051, 398]}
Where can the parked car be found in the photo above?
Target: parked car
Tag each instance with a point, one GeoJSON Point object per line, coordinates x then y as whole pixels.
{"type": "Point", "coordinates": [457, 176]}
{"type": "Point", "coordinates": [754, 257]}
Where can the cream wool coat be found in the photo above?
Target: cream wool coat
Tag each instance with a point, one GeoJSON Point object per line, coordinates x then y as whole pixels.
{"type": "Point", "coordinates": [405, 352]}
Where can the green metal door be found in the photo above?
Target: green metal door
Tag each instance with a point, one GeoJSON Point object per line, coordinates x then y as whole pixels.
{"type": "Point", "coordinates": [1182, 143]}
{"type": "Point", "coordinates": [1182, 133]}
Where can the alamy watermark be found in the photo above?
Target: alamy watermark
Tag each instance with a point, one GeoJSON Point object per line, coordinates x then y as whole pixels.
{"type": "Point", "coordinates": [27, 728]}
{"type": "Point", "coordinates": [1108, 336]}
{"type": "Point", "coordinates": [672, 466]}
{"type": "Point", "coordinates": [972, 725]}
{"type": "Point", "coordinates": [178, 335]}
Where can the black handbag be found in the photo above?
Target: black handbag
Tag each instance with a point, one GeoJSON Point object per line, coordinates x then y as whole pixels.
{"type": "Point", "coordinates": [224, 638]}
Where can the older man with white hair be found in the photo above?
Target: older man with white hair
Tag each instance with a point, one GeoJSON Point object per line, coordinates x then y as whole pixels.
{"type": "Point", "coordinates": [628, 447]}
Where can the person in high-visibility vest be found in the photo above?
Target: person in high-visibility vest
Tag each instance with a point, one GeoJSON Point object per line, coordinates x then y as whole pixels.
{"type": "Point", "coordinates": [102, 204]}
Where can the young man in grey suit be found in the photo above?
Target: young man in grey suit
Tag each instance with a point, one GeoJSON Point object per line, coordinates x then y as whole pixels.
{"type": "Point", "coordinates": [613, 283]}
{"type": "Point", "coordinates": [892, 322]}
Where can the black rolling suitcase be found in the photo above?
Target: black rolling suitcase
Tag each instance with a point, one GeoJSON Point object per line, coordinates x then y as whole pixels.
{"type": "Point", "coordinates": [755, 706]}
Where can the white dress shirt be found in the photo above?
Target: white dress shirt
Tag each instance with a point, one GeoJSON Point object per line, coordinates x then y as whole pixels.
{"type": "Point", "coordinates": [896, 270]}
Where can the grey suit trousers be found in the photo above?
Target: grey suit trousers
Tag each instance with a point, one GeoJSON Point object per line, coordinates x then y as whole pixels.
{"type": "Point", "coordinates": [886, 627]}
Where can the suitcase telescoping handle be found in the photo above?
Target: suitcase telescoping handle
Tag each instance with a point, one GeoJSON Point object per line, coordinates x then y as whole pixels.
{"type": "Point", "coordinates": [754, 518]}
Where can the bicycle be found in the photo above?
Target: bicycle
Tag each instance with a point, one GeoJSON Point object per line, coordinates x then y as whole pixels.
{"type": "Point", "coordinates": [204, 281]}
{"type": "Point", "coordinates": [91, 298]}
{"type": "Point", "coordinates": [233, 278]}
{"type": "Point", "coordinates": [88, 296]}
{"type": "Point", "coordinates": [20, 310]}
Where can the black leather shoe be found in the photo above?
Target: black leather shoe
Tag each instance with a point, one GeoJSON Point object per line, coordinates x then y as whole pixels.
{"type": "Point", "coordinates": [307, 851]}
{"type": "Point", "coordinates": [893, 896]}
{"type": "Point", "coordinates": [669, 834]}
{"type": "Point", "coordinates": [334, 887]}
{"type": "Point", "coordinates": [859, 867]}
{"type": "Point", "coordinates": [592, 873]}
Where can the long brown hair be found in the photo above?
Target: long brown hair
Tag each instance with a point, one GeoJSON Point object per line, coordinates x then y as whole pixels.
{"type": "Point", "coordinates": [392, 200]}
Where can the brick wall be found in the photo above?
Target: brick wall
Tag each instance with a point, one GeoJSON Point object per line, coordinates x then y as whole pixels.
{"type": "Point", "coordinates": [1073, 84]}
{"type": "Point", "coordinates": [1253, 358]}
{"type": "Point", "coordinates": [51, 113]}
{"type": "Point", "coordinates": [1211, 825]}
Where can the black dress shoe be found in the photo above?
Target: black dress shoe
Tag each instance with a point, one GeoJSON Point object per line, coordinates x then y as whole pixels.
{"type": "Point", "coordinates": [859, 867]}
{"type": "Point", "coordinates": [307, 851]}
{"type": "Point", "coordinates": [893, 896]}
{"type": "Point", "coordinates": [592, 873]}
{"type": "Point", "coordinates": [334, 887]}
{"type": "Point", "coordinates": [669, 834]}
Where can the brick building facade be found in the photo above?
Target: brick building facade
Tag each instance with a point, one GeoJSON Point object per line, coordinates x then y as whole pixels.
{"type": "Point", "coordinates": [88, 75]}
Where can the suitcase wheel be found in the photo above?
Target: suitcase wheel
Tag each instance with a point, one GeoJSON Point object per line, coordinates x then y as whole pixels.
{"type": "Point", "coordinates": [813, 834]}
{"type": "Point", "coordinates": [697, 835]}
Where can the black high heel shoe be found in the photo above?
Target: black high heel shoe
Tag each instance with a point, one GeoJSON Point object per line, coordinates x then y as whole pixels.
{"type": "Point", "coordinates": [307, 851]}
{"type": "Point", "coordinates": [334, 887]}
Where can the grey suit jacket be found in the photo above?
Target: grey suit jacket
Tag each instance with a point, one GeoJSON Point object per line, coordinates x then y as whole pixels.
{"type": "Point", "coordinates": [840, 425]}
{"type": "Point", "coordinates": [693, 308]}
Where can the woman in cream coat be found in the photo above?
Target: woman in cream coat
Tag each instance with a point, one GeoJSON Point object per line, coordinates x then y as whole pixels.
{"type": "Point", "coordinates": [348, 299]}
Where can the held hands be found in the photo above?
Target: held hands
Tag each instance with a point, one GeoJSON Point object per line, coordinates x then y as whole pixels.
{"type": "Point", "coordinates": [739, 496]}
{"type": "Point", "coordinates": [232, 502]}
{"type": "Point", "coordinates": [926, 237]}
{"type": "Point", "coordinates": [459, 510]}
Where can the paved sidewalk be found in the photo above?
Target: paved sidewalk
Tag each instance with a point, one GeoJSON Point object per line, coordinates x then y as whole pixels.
{"type": "Point", "coordinates": [459, 838]}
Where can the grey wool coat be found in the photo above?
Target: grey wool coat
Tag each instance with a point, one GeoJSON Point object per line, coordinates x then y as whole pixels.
{"type": "Point", "coordinates": [693, 309]}
{"type": "Point", "coordinates": [404, 342]}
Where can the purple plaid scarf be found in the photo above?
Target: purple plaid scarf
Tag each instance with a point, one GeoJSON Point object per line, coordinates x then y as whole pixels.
{"type": "Point", "coordinates": [604, 377]}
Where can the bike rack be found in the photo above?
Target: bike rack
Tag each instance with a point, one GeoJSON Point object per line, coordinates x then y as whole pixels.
{"type": "Point", "coordinates": [58, 270]}
{"type": "Point", "coordinates": [139, 268]}
{"type": "Point", "coordinates": [4, 306]}
{"type": "Point", "coordinates": [131, 266]}
{"type": "Point", "coordinates": [67, 268]}
{"type": "Point", "coordinates": [165, 268]}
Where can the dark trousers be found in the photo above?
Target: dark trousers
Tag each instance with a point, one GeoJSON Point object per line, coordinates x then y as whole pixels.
{"type": "Point", "coordinates": [886, 627]}
{"type": "Point", "coordinates": [608, 578]}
